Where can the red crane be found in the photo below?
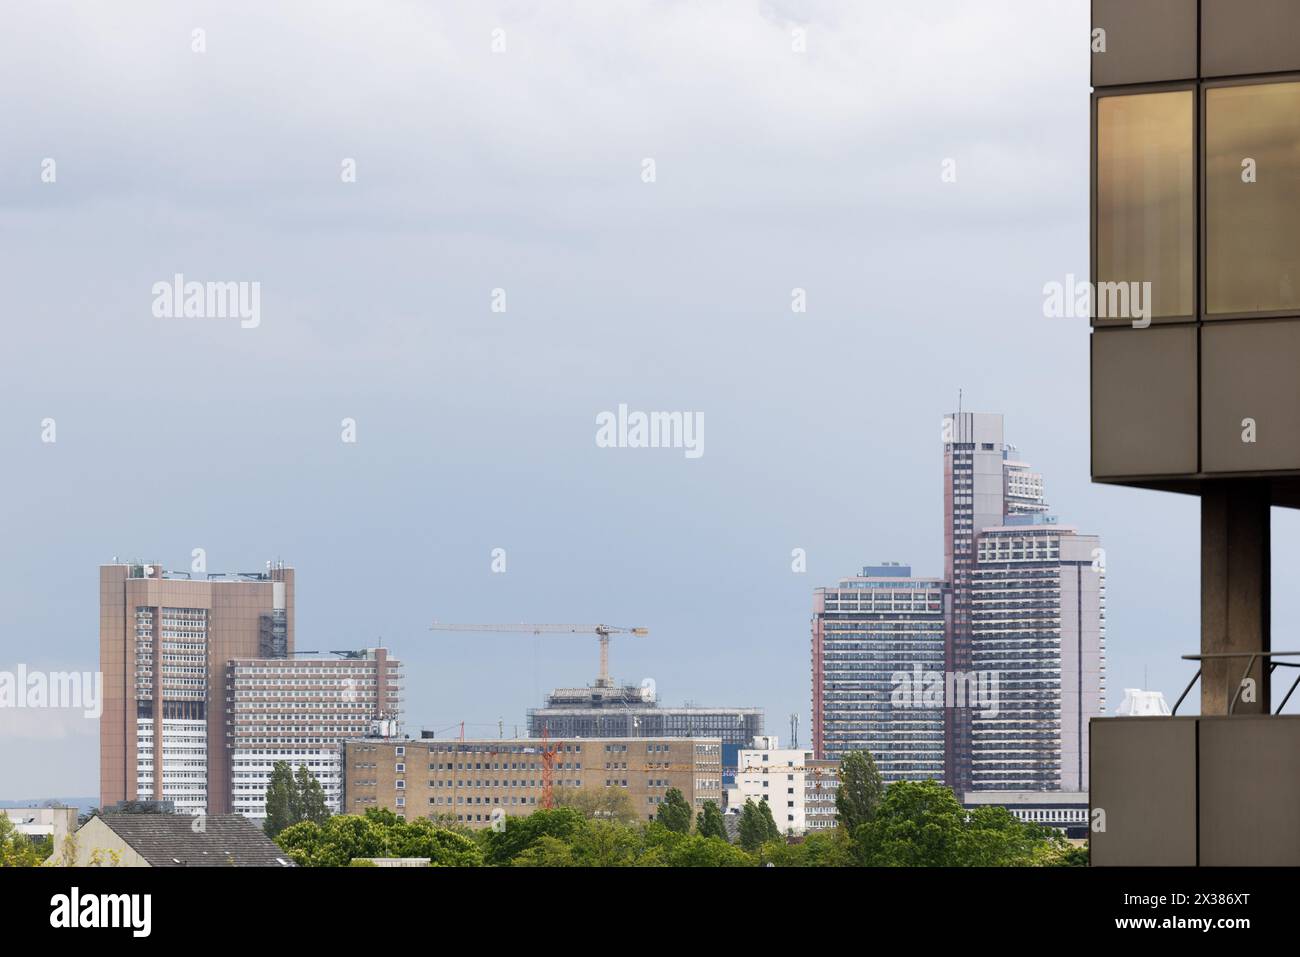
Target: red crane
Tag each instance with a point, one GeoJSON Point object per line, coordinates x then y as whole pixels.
{"type": "Point", "coordinates": [548, 768]}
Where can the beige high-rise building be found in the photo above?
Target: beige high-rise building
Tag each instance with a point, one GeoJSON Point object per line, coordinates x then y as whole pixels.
{"type": "Point", "coordinates": [164, 640]}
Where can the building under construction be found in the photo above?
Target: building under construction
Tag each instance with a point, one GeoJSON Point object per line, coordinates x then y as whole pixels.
{"type": "Point", "coordinates": [631, 712]}
{"type": "Point", "coordinates": [607, 710]}
{"type": "Point", "coordinates": [628, 712]}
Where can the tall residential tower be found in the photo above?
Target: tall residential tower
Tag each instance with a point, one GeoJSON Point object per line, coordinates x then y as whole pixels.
{"type": "Point", "coordinates": [984, 679]}
{"type": "Point", "coordinates": [1038, 628]}
{"type": "Point", "coordinates": [875, 636]}
{"type": "Point", "coordinates": [974, 498]}
{"type": "Point", "coordinates": [164, 640]}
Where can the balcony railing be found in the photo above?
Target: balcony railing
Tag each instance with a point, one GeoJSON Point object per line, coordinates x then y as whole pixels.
{"type": "Point", "coordinates": [1253, 656]}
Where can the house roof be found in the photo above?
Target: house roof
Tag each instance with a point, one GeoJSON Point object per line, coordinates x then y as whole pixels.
{"type": "Point", "coordinates": [175, 840]}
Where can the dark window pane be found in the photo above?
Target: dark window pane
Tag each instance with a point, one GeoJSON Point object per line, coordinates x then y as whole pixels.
{"type": "Point", "coordinates": [1145, 224]}
{"type": "Point", "coordinates": [1252, 228]}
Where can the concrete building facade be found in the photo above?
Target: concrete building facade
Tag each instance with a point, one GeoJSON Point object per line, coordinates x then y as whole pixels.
{"type": "Point", "coordinates": [475, 782]}
{"type": "Point", "coordinates": [873, 636]}
{"type": "Point", "coordinates": [631, 711]}
{"type": "Point", "coordinates": [1038, 626]}
{"type": "Point", "coordinates": [800, 789]}
{"type": "Point", "coordinates": [1194, 198]}
{"type": "Point", "coordinates": [300, 711]}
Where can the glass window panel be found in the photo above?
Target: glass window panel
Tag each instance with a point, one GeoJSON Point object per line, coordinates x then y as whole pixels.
{"type": "Point", "coordinates": [1252, 257]}
{"type": "Point", "coordinates": [1145, 196]}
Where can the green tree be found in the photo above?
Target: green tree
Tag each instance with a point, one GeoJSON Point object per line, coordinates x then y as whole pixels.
{"type": "Point", "coordinates": [518, 833]}
{"type": "Point", "coordinates": [921, 824]}
{"type": "Point", "coordinates": [710, 822]}
{"type": "Point", "coordinates": [311, 798]}
{"type": "Point", "coordinates": [611, 804]}
{"type": "Point", "coordinates": [424, 838]}
{"type": "Point", "coordinates": [694, 850]}
{"type": "Point", "coordinates": [756, 825]}
{"type": "Point", "coordinates": [831, 848]}
{"type": "Point", "coordinates": [994, 837]}
{"type": "Point", "coordinates": [280, 800]}
{"type": "Point", "coordinates": [16, 848]}
{"type": "Point", "coordinates": [674, 813]}
{"type": "Point", "coordinates": [771, 831]}
{"type": "Point", "coordinates": [546, 851]}
{"type": "Point", "coordinates": [860, 790]}
{"type": "Point", "coordinates": [918, 824]}
{"type": "Point", "coordinates": [607, 844]}
{"type": "Point", "coordinates": [665, 848]}
{"type": "Point", "coordinates": [1071, 855]}
{"type": "Point", "coordinates": [344, 838]}
{"type": "Point", "coordinates": [334, 843]}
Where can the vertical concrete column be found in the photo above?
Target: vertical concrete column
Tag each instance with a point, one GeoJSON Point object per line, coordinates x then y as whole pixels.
{"type": "Point", "coordinates": [1235, 592]}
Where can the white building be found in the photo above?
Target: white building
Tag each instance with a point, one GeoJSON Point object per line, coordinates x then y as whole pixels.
{"type": "Point", "coordinates": [799, 789]}
{"type": "Point", "coordinates": [1139, 702]}
{"type": "Point", "coordinates": [42, 822]}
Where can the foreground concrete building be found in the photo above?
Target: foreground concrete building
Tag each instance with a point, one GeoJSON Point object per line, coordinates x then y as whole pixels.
{"type": "Point", "coordinates": [1196, 201]}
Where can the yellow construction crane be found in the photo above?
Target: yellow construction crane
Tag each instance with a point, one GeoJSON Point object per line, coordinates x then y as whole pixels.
{"type": "Point", "coordinates": [600, 631]}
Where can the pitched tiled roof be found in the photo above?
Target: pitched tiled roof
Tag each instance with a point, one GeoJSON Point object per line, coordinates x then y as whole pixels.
{"type": "Point", "coordinates": [171, 840]}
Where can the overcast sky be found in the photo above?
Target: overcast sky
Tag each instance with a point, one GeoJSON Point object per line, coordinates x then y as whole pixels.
{"type": "Point", "coordinates": [523, 170]}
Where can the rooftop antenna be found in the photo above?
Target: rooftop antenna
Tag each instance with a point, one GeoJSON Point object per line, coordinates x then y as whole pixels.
{"type": "Point", "coordinates": [794, 731]}
{"type": "Point", "coordinates": [959, 401]}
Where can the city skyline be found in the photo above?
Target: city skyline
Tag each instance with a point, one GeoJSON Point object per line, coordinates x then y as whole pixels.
{"type": "Point", "coordinates": [1023, 492]}
{"type": "Point", "coordinates": [476, 430]}
{"type": "Point", "coordinates": [672, 440]}
{"type": "Point", "coordinates": [984, 679]}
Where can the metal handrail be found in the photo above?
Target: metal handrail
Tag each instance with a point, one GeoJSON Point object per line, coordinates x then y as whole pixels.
{"type": "Point", "coordinates": [1253, 656]}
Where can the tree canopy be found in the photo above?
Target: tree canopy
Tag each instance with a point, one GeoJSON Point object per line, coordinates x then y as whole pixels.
{"type": "Point", "coordinates": [377, 833]}
{"type": "Point", "coordinates": [860, 790]}
{"type": "Point", "coordinates": [674, 813]}
{"type": "Point", "coordinates": [916, 824]}
{"type": "Point", "coordinates": [19, 850]}
{"type": "Point", "coordinates": [293, 797]}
